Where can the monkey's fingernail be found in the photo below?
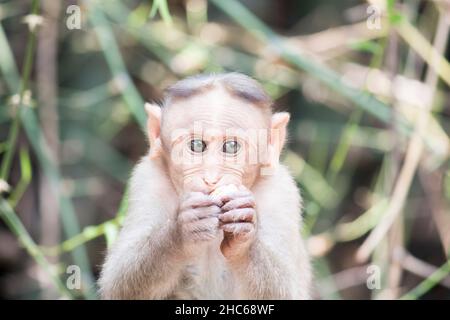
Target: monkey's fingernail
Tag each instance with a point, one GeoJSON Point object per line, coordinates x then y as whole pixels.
{"type": "Point", "coordinates": [217, 201]}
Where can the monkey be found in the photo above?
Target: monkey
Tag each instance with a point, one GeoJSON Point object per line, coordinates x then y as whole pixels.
{"type": "Point", "coordinates": [200, 224]}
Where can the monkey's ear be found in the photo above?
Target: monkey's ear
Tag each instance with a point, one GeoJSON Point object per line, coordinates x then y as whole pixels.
{"type": "Point", "coordinates": [154, 128]}
{"type": "Point", "coordinates": [278, 128]}
{"type": "Point", "coordinates": [277, 138]}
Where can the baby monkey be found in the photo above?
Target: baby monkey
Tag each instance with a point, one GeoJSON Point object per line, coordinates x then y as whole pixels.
{"type": "Point", "coordinates": [212, 213]}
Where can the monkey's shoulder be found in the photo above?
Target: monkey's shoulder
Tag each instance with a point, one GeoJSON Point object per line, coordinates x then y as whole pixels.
{"type": "Point", "coordinates": [150, 175]}
{"type": "Point", "coordinates": [278, 200]}
{"type": "Point", "coordinates": [280, 185]}
{"type": "Point", "coordinates": [150, 190]}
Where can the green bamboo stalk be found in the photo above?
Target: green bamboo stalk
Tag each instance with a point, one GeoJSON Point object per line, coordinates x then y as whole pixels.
{"type": "Point", "coordinates": [344, 145]}
{"type": "Point", "coordinates": [25, 178]}
{"type": "Point", "coordinates": [350, 130]}
{"type": "Point", "coordinates": [323, 270]}
{"type": "Point", "coordinates": [14, 132]}
{"type": "Point", "coordinates": [89, 233]}
{"type": "Point", "coordinates": [15, 225]}
{"type": "Point", "coordinates": [92, 232]}
{"type": "Point", "coordinates": [119, 13]}
{"type": "Point", "coordinates": [115, 62]}
{"type": "Point", "coordinates": [101, 153]}
{"type": "Point", "coordinates": [10, 9]}
{"type": "Point", "coordinates": [425, 49]}
{"type": "Point", "coordinates": [37, 141]}
{"type": "Point", "coordinates": [11, 143]}
{"type": "Point", "coordinates": [312, 180]}
{"type": "Point", "coordinates": [163, 9]}
{"type": "Point", "coordinates": [7, 64]}
{"type": "Point", "coordinates": [330, 78]}
{"type": "Point", "coordinates": [86, 98]}
{"type": "Point", "coordinates": [68, 215]}
{"type": "Point", "coordinates": [429, 283]}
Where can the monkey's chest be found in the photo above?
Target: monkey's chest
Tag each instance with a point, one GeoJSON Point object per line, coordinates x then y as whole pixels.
{"type": "Point", "coordinates": [207, 275]}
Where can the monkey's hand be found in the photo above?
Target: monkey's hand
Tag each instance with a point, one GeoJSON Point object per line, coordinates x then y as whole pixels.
{"type": "Point", "coordinates": [238, 222]}
{"type": "Point", "coordinates": [198, 218]}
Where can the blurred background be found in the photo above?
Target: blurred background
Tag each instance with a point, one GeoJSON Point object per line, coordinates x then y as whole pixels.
{"type": "Point", "coordinates": [366, 83]}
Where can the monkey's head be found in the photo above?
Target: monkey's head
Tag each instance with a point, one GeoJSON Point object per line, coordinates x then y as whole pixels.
{"type": "Point", "coordinates": [214, 130]}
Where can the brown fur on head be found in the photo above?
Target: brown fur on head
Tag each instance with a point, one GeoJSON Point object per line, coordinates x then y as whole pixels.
{"type": "Point", "coordinates": [237, 84]}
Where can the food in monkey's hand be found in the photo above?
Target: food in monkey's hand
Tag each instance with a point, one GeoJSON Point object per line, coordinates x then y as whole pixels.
{"type": "Point", "coordinates": [221, 190]}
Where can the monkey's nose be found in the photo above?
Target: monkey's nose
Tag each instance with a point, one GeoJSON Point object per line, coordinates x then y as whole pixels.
{"type": "Point", "coordinates": [211, 181]}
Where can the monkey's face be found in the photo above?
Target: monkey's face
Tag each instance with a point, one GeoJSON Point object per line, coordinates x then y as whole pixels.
{"type": "Point", "coordinates": [213, 139]}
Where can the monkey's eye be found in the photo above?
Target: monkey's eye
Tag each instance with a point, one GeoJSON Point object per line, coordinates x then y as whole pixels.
{"type": "Point", "coordinates": [231, 147]}
{"type": "Point", "coordinates": [197, 145]}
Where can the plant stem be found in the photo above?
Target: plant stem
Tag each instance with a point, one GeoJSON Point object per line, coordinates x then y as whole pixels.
{"type": "Point", "coordinates": [429, 283]}
{"type": "Point", "coordinates": [26, 71]}
{"type": "Point", "coordinates": [12, 221]}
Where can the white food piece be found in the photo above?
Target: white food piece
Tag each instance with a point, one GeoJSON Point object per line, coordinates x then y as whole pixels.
{"type": "Point", "coordinates": [224, 189]}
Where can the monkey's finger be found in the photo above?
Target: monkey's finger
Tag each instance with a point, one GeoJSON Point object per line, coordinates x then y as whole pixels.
{"type": "Point", "coordinates": [203, 229]}
{"type": "Point", "coordinates": [201, 235]}
{"type": "Point", "coordinates": [211, 223]}
{"type": "Point", "coordinates": [238, 228]}
{"type": "Point", "coordinates": [204, 236]}
{"type": "Point", "coordinates": [191, 215]}
{"type": "Point", "coordinates": [238, 215]}
{"type": "Point", "coordinates": [244, 202]}
{"type": "Point", "coordinates": [233, 195]}
{"type": "Point", "coordinates": [198, 199]}
{"type": "Point", "coordinates": [190, 194]}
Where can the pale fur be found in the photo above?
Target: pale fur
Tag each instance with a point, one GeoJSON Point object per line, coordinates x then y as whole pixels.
{"type": "Point", "coordinates": [146, 261]}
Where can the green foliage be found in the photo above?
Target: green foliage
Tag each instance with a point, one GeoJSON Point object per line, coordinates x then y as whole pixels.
{"type": "Point", "coordinates": [348, 141]}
